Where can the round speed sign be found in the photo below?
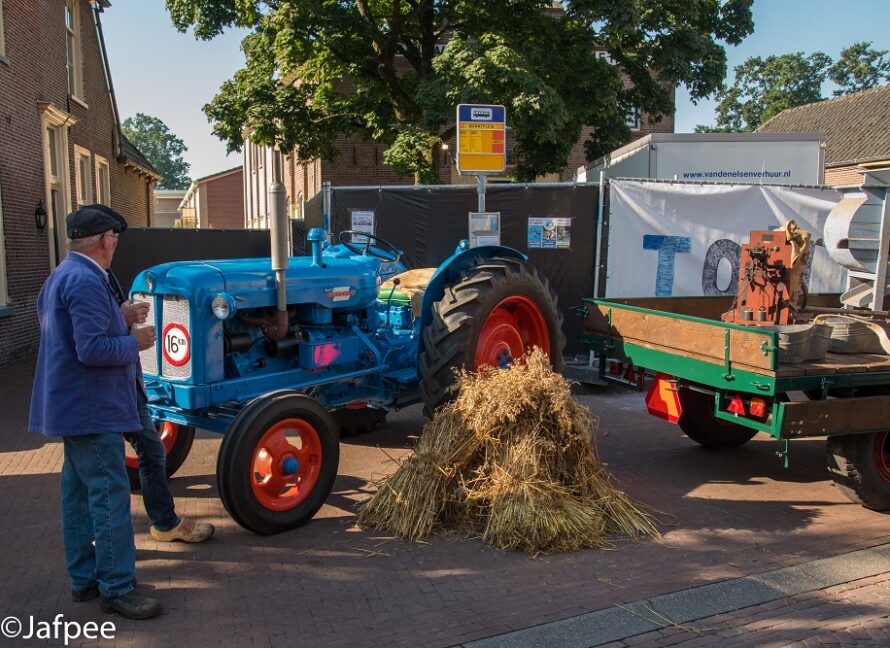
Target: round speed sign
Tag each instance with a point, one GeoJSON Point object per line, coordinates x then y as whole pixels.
{"type": "Point", "coordinates": [175, 341]}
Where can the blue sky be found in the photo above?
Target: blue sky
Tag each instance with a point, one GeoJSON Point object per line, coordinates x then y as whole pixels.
{"type": "Point", "coordinates": [158, 71]}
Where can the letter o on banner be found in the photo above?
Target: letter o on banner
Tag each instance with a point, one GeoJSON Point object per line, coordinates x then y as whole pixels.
{"type": "Point", "coordinates": [719, 250]}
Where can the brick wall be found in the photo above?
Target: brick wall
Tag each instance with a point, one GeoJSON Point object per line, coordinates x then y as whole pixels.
{"type": "Point", "coordinates": [224, 198]}
{"type": "Point", "coordinates": [36, 72]}
{"type": "Point", "coordinates": [843, 176]}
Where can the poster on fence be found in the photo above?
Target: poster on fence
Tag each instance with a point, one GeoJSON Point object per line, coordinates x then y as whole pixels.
{"type": "Point", "coordinates": [676, 239]}
{"type": "Point", "coordinates": [362, 221]}
{"type": "Point", "coordinates": [553, 233]}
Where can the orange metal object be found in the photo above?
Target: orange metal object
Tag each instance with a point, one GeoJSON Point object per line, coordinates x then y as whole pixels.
{"type": "Point", "coordinates": [663, 399]}
{"type": "Point", "coordinates": [764, 281]}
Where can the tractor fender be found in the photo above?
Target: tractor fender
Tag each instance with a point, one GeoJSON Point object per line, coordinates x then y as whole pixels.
{"type": "Point", "coordinates": [450, 270]}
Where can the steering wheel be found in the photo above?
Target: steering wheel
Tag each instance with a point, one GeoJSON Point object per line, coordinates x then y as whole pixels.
{"type": "Point", "coordinates": [383, 250]}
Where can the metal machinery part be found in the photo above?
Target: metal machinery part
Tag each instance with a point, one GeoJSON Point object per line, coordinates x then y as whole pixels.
{"type": "Point", "coordinates": [771, 287]}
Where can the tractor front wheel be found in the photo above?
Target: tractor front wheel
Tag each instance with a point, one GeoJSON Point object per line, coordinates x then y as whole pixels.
{"type": "Point", "coordinates": [860, 467]}
{"type": "Point", "coordinates": [277, 462]}
{"type": "Point", "coordinates": [177, 441]}
{"type": "Point", "coordinates": [498, 311]}
{"type": "Point", "coordinates": [698, 422]}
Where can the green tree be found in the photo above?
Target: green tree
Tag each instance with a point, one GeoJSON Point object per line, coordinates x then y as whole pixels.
{"type": "Point", "coordinates": [859, 68]}
{"type": "Point", "coordinates": [160, 147]}
{"type": "Point", "coordinates": [374, 68]}
{"type": "Point", "coordinates": [763, 88]}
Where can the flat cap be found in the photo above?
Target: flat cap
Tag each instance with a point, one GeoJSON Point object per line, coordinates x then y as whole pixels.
{"type": "Point", "coordinates": [93, 219]}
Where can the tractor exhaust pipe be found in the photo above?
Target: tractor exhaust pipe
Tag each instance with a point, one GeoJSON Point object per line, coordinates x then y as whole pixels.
{"type": "Point", "coordinates": [278, 234]}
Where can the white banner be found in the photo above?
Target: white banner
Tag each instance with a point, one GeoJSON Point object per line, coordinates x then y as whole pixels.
{"type": "Point", "coordinates": [674, 239]}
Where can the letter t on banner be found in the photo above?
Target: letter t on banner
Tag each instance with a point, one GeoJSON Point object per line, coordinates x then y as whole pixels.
{"type": "Point", "coordinates": [668, 247]}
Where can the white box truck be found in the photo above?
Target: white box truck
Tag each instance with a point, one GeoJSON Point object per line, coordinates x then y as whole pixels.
{"type": "Point", "coordinates": [750, 158]}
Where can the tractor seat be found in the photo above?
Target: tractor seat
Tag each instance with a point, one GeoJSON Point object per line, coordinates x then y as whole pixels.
{"type": "Point", "coordinates": [410, 289]}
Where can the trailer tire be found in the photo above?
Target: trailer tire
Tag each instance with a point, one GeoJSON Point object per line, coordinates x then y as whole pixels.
{"type": "Point", "coordinates": [860, 468]}
{"type": "Point", "coordinates": [500, 304]}
{"type": "Point", "coordinates": [266, 482]}
{"type": "Point", "coordinates": [698, 422]}
{"type": "Point", "coordinates": [177, 440]}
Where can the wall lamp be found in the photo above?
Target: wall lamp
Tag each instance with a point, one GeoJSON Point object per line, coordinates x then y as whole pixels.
{"type": "Point", "coordinates": [40, 216]}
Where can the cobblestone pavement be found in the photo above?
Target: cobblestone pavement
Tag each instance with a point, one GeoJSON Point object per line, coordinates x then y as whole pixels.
{"type": "Point", "coordinates": [724, 515]}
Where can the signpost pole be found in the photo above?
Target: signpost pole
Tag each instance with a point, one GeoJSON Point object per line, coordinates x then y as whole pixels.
{"type": "Point", "coordinates": [480, 189]}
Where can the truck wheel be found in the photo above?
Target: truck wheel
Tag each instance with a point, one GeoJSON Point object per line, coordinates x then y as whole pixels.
{"type": "Point", "coordinates": [277, 462]}
{"type": "Point", "coordinates": [177, 442]}
{"type": "Point", "coordinates": [498, 311]}
{"type": "Point", "coordinates": [698, 422]}
{"type": "Point", "coordinates": [860, 467]}
{"type": "Point", "coordinates": [358, 421]}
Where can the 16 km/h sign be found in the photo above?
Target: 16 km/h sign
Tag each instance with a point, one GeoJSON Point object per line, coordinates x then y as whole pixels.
{"type": "Point", "coordinates": [481, 138]}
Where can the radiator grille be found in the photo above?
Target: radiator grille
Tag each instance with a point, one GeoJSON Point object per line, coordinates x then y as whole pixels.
{"type": "Point", "coordinates": [148, 358]}
{"type": "Point", "coordinates": [175, 309]}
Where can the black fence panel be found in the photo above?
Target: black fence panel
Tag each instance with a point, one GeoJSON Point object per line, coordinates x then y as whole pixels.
{"type": "Point", "coordinates": [140, 247]}
{"type": "Point", "coordinates": [428, 223]}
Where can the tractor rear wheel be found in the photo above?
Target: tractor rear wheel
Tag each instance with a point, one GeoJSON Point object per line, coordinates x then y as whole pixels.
{"type": "Point", "coordinates": [698, 422]}
{"type": "Point", "coordinates": [860, 467]}
{"type": "Point", "coordinates": [498, 311]}
{"type": "Point", "coordinates": [177, 442]}
{"type": "Point", "coordinates": [277, 462]}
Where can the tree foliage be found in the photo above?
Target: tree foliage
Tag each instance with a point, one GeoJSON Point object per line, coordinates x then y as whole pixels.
{"type": "Point", "coordinates": [160, 147]}
{"type": "Point", "coordinates": [381, 69]}
{"type": "Point", "coordinates": [763, 88]}
{"type": "Point", "coordinates": [859, 68]}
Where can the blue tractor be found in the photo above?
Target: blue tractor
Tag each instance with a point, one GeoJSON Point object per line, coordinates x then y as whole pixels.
{"type": "Point", "coordinates": [281, 354]}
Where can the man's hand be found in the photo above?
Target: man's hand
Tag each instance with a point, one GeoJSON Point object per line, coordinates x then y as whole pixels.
{"type": "Point", "coordinates": [145, 337]}
{"type": "Point", "coordinates": [134, 312]}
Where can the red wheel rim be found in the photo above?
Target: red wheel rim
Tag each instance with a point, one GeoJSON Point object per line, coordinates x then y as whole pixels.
{"type": "Point", "coordinates": [512, 328]}
{"type": "Point", "coordinates": [881, 452]}
{"type": "Point", "coordinates": [168, 432]}
{"type": "Point", "coordinates": [291, 444]}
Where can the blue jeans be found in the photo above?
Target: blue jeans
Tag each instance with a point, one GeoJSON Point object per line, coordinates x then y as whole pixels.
{"type": "Point", "coordinates": [96, 505]}
{"type": "Point", "coordinates": [152, 469]}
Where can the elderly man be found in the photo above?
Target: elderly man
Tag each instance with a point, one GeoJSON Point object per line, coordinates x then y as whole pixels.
{"type": "Point", "coordinates": [84, 393]}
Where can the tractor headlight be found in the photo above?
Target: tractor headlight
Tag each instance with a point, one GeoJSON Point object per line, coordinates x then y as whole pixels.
{"type": "Point", "coordinates": [223, 306]}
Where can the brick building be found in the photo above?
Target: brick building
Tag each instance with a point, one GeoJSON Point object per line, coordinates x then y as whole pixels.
{"type": "Point", "coordinates": [214, 201]}
{"type": "Point", "coordinates": [856, 127]}
{"type": "Point", "coordinates": [60, 147]}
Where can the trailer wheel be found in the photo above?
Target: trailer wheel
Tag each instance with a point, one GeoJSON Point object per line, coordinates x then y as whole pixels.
{"type": "Point", "coordinates": [860, 467]}
{"type": "Point", "coordinates": [698, 422]}
{"type": "Point", "coordinates": [177, 442]}
{"type": "Point", "coordinates": [499, 310]}
{"type": "Point", "coordinates": [277, 462]}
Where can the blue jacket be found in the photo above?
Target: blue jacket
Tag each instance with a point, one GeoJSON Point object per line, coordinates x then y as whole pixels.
{"type": "Point", "coordinates": [86, 367]}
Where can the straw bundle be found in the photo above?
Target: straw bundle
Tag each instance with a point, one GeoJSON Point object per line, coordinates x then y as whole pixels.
{"type": "Point", "coordinates": [511, 458]}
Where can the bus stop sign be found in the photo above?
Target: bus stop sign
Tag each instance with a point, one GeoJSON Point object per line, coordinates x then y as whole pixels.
{"type": "Point", "coordinates": [481, 138]}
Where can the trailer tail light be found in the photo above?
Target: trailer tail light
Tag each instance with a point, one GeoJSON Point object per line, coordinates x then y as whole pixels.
{"type": "Point", "coordinates": [736, 406]}
{"type": "Point", "coordinates": [663, 399]}
{"type": "Point", "coordinates": [757, 407]}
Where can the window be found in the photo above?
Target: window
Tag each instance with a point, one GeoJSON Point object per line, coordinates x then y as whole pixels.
{"type": "Point", "coordinates": [4, 298]}
{"type": "Point", "coordinates": [2, 51]}
{"type": "Point", "coordinates": [103, 180]}
{"type": "Point", "coordinates": [75, 63]}
{"type": "Point", "coordinates": [634, 119]}
{"type": "Point", "coordinates": [56, 170]}
{"type": "Point", "coordinates": [83, 176]}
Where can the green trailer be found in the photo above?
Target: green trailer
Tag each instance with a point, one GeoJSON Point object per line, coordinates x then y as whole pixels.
{"type": "Point", "coordinates": [723, 383]}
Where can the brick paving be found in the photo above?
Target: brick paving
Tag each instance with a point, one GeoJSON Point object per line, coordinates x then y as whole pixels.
{"type": "Point", "coordinates": [724, 515]}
